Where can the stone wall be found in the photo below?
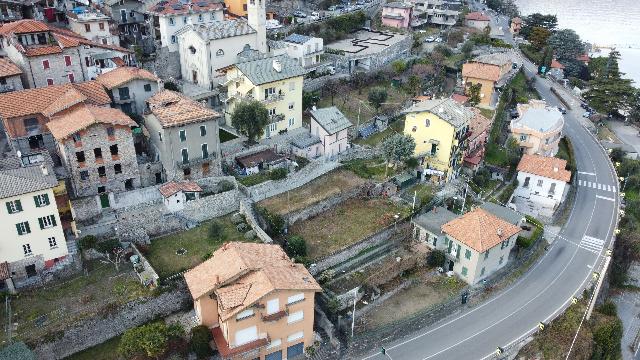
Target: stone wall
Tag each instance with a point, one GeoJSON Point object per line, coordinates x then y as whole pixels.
{"type": "Point", "coordinates": [321, 206]}
{"type": "Point", "coordinates": [319, 82]}
{"type": "Point", "coordinates": [345, 254]}
{"type": "Point", "coordinates": [96, 330]}
{"type": "Point", "coordinates": [359, 152]}
{"type": "Point", "coordinates": [212, 206]}
{"type": "Point", "coordinates": [247, 209]}
{"type": "Point", "coordinates": [165, 65]}
{"type": "Point", "coordinates": [148, 173]}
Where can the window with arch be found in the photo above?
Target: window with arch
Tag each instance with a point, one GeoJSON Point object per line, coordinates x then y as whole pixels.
{"type": "Point", "coordinates": [220, 52]}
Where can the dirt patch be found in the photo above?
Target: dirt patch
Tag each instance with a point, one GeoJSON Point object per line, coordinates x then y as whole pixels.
{"type": "Point", "coordinates": [317, 190]}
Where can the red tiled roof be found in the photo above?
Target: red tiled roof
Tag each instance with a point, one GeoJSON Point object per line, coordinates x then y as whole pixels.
{"type": "Point", "coordinates": [23, 27]}
{"type": "Point", "coordinates": [460, 98]}
{"type": "Point", "coordinates": [549, 167]}
{"type": "Point", "coordinates": [82, 117]}
{"type": "Point", "coordinates": [177, 7]}
{"type": "Point", "coordinates": [173, 187]}
{"type": "Point", "coordinates": [481, 71]}
{"type": "Point", "coordinates": [122, 75]}
{"type": "Point", "coordinates": [172, 109]}
{"type": "Point", "coordinates": [477, 16]}
{"type": "Point", "coordinates": [8, 68]}
{"type": "Point", "coordinates": [480, 230]}
{"type": "Point", "coordinates": [555, 64]}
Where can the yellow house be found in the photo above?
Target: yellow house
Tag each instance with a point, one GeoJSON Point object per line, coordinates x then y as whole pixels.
{"type": "Point", "coordinates": [257, 302]}
{"type": "Point", "coordinates": [276, 82]}
{"type": "Point", "coordinates": [489, 71]}
{"type": "Point", "coordinates": [236, 7]}
{"type": "Point", "coordinates": [440, 129]}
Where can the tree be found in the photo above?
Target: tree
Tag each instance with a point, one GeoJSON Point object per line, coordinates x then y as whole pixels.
{"type": "Point", "coordinates": [310, 98]}
{"type": "Point", "coordinates": [377, 96]}
{"type": "Point", "coordinates": [607, 335]}
{"type": "Point", "coordinates": [399, 66]}
{"type": "Point", "coordinates": [216, 232]}
{"type": "Point", "coordinates": [296, 247]}
{"type": "Point", "coordinates": [414, 84]}
{"type": "Point", "coordinates": [634, 114]}
{"type": "Point", "coordinates": [467, 49]}
{"type": "Point", "coordinates": [436, 258]}
{"type": "Point", "coordinates": [199, 344]}
{"type": "Point", "coordinates": [150, 339]}
{"type": "Point", "coordinates": [473, 92]}
{"type": "Point", "coordinates": [250, 119]}
{"type": "Point", "coordinates": [549, 22]}
{"type": "Point", "coordinates": [397, 148]}
{"type": "Point", "coordinates": [513, 151]}
{"type": "Point", "coordinates": [566, 44]}
{"type": "Point", "coordinates": [609, 91]}
{"type": "Point", "coordinates": [331, 88]}
{"type": "Point", "coordinates": [112, 252]}
{"type": "Point", "coordinates": [539, 37]}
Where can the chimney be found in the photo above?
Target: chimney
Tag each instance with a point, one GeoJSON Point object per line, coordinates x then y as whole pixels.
{"type": "Point", "coordinates": [277, 65]}
{"type": "Point", "coordinates": [44, 170]}
{"type": "Point", "coordinates": [217, 279]}
{"type": "Point", "coordinates": [499, 231]}
{"type": "Point", "coordinates": [555, 169]}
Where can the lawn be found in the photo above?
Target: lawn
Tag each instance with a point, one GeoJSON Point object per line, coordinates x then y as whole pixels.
{"type": "Point", "coordinates": [423, 192]}
{"type": "Point", "coordinates": [54, 307]}
{"type": "Point", "coordinates": [375, 139]}
{"type": "Point", "coordinates": [496, 155]}
{"type": "Point", "coordinates": [488, 113]}
{"type": "Point", "coordinates": [197, 242]}
{"type": "Point", "coordinates": [108, 350]}
{"type": "Point", "coordinates": [605, 134]}
{"type": "Point", "coordinates": [254, 179]}
{"type": "Point", "coordinates": [317, 190]}
{"type": "Point", "coordinates": [346, 224]}
{"type": "Point", "coordinates": [370, 168]}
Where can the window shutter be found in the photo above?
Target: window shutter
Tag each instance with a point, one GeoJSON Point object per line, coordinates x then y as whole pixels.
{"type": "Point", "coordinates": [46, 199]}
{"type": "Point", "coordinates": [53, 220]}
{"type": "Point", "coordinates": [26, 225]}
{"type": "Point", "coordinates": [8, 207]}
{"type": "Point", "coordinates": [41, 223]}
{"type": "Point", "coordinates": [19, 229]}
{"type": "Point", "coordinates": [36, 200]}
{"type": "Point", "coordinates": [18, 205]}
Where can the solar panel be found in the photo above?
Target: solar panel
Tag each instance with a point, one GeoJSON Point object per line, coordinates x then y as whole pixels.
{"type": "Point", "coordinates": [368, 131]}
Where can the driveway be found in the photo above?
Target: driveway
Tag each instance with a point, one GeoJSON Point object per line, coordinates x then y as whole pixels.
{"type": "Point", "coordinates": [627, 133]}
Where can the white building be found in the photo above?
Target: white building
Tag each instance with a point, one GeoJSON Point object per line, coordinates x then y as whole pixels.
{"type": "Point", "coordinates": [538, 128]}
{"type": "Point", "coordinates": [542, 180]}
{"type": "Point", "coordinates": [304, 49]}
{"type": "Point", "coordinates": [33, 239]}
{"type": "Point", "coordinates": [178, 193]}
{"type": "Point", "coordinates": [92, 25]}
{"type": "Point", "coordinates": [169, 16]}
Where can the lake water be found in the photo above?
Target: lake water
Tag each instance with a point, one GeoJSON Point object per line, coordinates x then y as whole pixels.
{"type": "Point", "coordinates": [600, 22]}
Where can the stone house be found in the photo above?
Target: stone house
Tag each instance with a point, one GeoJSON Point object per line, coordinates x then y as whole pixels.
{"type": "Point", "coordinates": [477, 20]}
{"type": "Point", "coordinates": [257, 302]}
{"type": "Point", "coordinates": [440, 129]}
{"type": "Point", "coordinates": [130, 88]}
{"type": "Point", "coordinates": [11, 11]}
{"type": "Point", "coordinates": [50, 55]}
{"type": "Point", "coordinates": [25, 126]}
{"type": "Point", "coordinates": [479, 128]}
{"type": "Point", "coordinates": [92, 25]}
{"type": "Point", "coordinates": [477, 244]}
{"type": "Point", "coordinates": [332, 128]}
{"type": "Point", "coordinates": [276, 82]}
{"type": "Point", "coordinates": [33, 239]}
{"type": "Point", "coordinates": [490, 71]}
{"type": "Point", "coordinates": [10, 76]}
{"type": "Point", "coordinates": [177, 193]}
{"type": "Point", "coordinates": [130, 20]}
{"type": "Point", "coordinates": [96, 147]}
{"type": "Point", "coordinates": [184, 136]}
{"type": "Point", "coordinates": [397, 14]}
{"type": "Point", "coordinates": [538, 128]}
{"type": "Point", "coordinates": [542, 180]}
{"type": "Point", "coordinates": [427, 227]}
{"type": "Point", "coordinates": [258, 161]}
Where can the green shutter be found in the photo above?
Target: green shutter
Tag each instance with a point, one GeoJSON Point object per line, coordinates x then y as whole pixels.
{"type": "Point", "coordinates": [8, 207]}
{"type": "Point", "coordinates": [464, 271]}
{"type": "Point", "coordinates": [19, 229]}
{"type": "Point", "coordinates": [18, 205]}
{"type": "Point", "coordinates": [41, 223]}
{"type": "Point", "coordinates": [53, 220]}
{"type": "Point", "coordinates": [46, 199]}
{"type": "Point", "coordinates": [26, 225]}
{"type": "Point", "coordinates": [36, 200]}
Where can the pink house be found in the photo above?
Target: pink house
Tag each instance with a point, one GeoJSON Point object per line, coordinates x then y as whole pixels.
{"type": "Point", "coordinates": [479, 132]}
{"type": "Point", "coordinates": [397, 15]}
{"type": "Point", "coordinates": [331, 127]}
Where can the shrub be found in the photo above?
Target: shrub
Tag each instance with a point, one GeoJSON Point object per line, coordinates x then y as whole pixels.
{"type": "Point", "coordinates": [171, 86]}
{"type": "Point", "coordinates": [608, 308]}
{"type": "Point", "coordinates": [326, 276]}
{"type": "Point", "coordinates": [87, 242]}
{"type": "Point", "coordinates": [436, 258]}
{"type": "Point", "coordinates": [216, 232]}
{"type": "Point", "coordinates": [296, 246]}
{"type": "Point", "coordinates": [278, 174]}
{"type": "Point", "coordinates": [225, 185]}
{"type": "Point", "coordinates": [412, 163]}
{"type": "Point", "coordinates": [107, 245]}
{"type": "Point", "coordinates": [275, 222]}
{"type": "Point", "coordinates": [150, 340]}
{"type": "Point", "coordinates": [199, 343]}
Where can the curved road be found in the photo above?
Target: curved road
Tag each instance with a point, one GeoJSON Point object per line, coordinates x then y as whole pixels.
{"type": "Point", "coordinates": [547, 288]}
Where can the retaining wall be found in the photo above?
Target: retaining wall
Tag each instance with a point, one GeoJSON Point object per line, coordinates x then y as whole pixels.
{"type": "Point", "coordinates": [321, 206]}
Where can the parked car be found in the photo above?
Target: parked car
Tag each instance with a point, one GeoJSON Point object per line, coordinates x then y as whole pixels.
{"type": "Point", "coordinates": [332, 8]}
{"type": "Point", "coordinates": [299, 14]}
{"type": "Point", "coordinates": [562, 110]}
{"type": "Point", "coordinates": [430, 39]}
{"type": "Point", "coordinates": [360, 2]}
{"type": "Point", "coordinates": [586, 115]}
{"type": "Point", "coordinates": [439, 40]}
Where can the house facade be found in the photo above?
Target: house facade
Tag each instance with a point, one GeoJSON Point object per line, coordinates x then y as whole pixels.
{"type": "Point", "coordinates": [10, 76]}
{"type": "Point", "coordinates": [397, 14]}
{"type": "Point", "coordinates": [478, 244]}
{"type": "Point", "coordinates": [184, 136]}
{"type": "Point", "coordinates": [206, 49]}
{"type": "Point", "coordinates": [439, 128]}
{"type": "Point", "coordinates": [516, 25]}
{"type": "Point", "coordinates": [477, 20]}
{"type": "Point", "coordinates": [304, 49]}
{"type": "Point", "coordinates": [332, 128]}
{"type": "Point", "coordinates": [543, 180]}
{"type": "Point", "coordinates": [128, 16]}
{"type": "Point", "coordinates": [538, 129]}
{"type": "Point", "coordinates": [92, 25]}
{"type": "Point", "coordinates": [427, 227]}
{"type": "Point", "coordinates": [25, 126]}
{"type": "Point", "coordinates": [436, 12]}
{"type": "Point", "coordinates": [276, 82]}
{"type": "Point", "coordinates": [257, 302]}
{"type": "Point", "coordinates": [489, 71]}
{"type": "Point", "coordinates": [33, 239]}
{"type": "Point", "coordinates": [176, 194]}
{"type": "Point", "coordinates": [130, 88]}
{"type": "Point", "coordinates": [96, 147]}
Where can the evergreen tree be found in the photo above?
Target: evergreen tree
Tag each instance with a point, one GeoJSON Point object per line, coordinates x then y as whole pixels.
{"type": "Point", "coordinates": [609, 91]}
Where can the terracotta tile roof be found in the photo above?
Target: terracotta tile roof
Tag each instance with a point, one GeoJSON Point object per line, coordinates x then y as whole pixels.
{"type": "Point", "coordinates": [478, 124]}
{"type": "Point", "coordinates": [549, 167]}
{"type": "Point", "coordinates": [555, 64]}
{"type": "Point", "coordinates": [42, 50]}
{"type": "Point", "coordinates": [51, 99]}
{"type": "Point", "coordinates": [178, 7]}
{"type": "Point", "coordinates": [481, 71]}
{"type": "Point", "coordinates": [421, 98]}
{"type": "Point", "coordinates": [480, 230]}
{"type": "Point", "coordinates": [173, 187]}
{"type": "Point", "coordinates": [460, 98]}
{"type": "Point", "coordinates": [477, 16]}
{"type": "Point", "coordinates": [172, 109]}
{"type": "Point", "coordinates": [81, 117]}
{"type": "Point", "coordinates": [8, 68]}
{"type": "Point", "coordinates": [123, 75]}
{"type": "Point", "coordinates": [240, 274]}
{"type": "Point", "coordinates": [23, 27]}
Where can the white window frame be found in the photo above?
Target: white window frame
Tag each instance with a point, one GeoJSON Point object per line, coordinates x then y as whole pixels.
{"type": "Point", "coordinates": [180, 132]}
{"type": "Point", "coordinates": [41, 199]}
{"type": "Point", "coordinates": [203, 127]}
{"type": "Point", "coordinates": [295, 317]}
{"type": "Point", "coordinates": [295, 298]}
{"type": "Point", "coordinates": [172, 22]}
{"type": "Point", "coordinates": [273, 306]}
{"type": "Point", "coordinates": [47, 221]}
{"type": "Point", "coordinates": [292, 121]}
{"type": "Point", "coordinates": [23, 228]}
{"type": "Point", "coordinates": [26, 249]}
{"type": "Point", "coordinates": [274, 343]}
{"type": "Point", "coordinates": [53, 244]}
{"type": "Point", "coordinates": [273, 127]}
{"type": "Point", "coordinates": [272, 112]}
{"type": "Point", "coordinates": [295, 336]}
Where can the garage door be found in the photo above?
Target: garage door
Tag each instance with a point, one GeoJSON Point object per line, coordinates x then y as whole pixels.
{"type": "Point", "coordinates": [246, 335]}
{"type": "Point", "coordinates": [274, 356]}
{"type": "Point", "coordinates": [295, 350]}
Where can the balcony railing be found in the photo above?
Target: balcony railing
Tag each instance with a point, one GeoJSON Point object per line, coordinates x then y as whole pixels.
{"type": "Point", "coordinates": [125, 99]}
{"type": "Point", "coordinates": [195, 161]}
{"type": "Point", "coordinates": [275, 118]}
{"type": "Point", "coordinates": [238, 78]}
{"type": "Point", "coordinates": [273, 98]}
{"type": "Point", "coordinates": [275, 316]}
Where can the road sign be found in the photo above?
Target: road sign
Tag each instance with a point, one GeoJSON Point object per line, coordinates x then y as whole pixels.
{"type": "Point", "coordinates": [540, 326]}
{"type": "Point", "coordinates": [574, 300]}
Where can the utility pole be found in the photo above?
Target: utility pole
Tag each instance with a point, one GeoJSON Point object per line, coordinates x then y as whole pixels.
{"type": "Point", "coordinates": [464, 199]}
{"type": "Point", "coordinates": [353, 315]}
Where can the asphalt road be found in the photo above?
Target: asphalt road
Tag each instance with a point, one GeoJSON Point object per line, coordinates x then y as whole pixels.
{"type": "Point", "coordinates": [547, 289]}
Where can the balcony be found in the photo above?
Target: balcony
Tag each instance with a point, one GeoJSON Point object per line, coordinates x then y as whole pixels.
{"type": "Point", "coordinates": [229, 352]}
{"type": "Point", "coordinates": [276, 118]}
{"type": "Point", "coordinates": [238, 78]}
{"type": "Point", "coordinates": [275, 316]}
{"type": "Point", "coordinates": [273, 98]}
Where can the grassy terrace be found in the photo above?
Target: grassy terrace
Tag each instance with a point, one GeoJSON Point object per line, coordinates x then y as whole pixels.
{"type": "Point", "coordinates": [346, 224]}
{"type": "Point", "coordinates": [108, 350]}
{"type": "Point", "coordinates": [375, 139]}
{"type": "Point", "coordinates": [317, 190]}
{"type": "Point", "coordinates": [198, 243]}
{"type": "Point", "coordinates": [370, 169]}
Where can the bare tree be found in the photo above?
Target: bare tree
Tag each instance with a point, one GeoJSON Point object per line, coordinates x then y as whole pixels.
{"type": "Point", "coordinates": [115, 256]}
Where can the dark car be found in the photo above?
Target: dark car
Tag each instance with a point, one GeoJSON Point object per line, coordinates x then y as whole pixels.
{"type": "Point", "coordinates": [299, 14]}
{"type": "Point", "coordinates": [514, 113]}
{"type": "Point", "coordinates": [562, 110]}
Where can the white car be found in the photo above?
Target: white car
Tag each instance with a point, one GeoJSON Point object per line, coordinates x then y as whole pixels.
{"type": "Point", "coordinates": [439, 40]}
{"type": "Point", "coordinates": [430, 39]}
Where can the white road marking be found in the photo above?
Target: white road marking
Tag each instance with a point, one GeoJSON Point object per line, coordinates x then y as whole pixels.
{"type": "Point", "coordinates": [608, 187]}
{"type": "Point", "coordinates": [591, 244]}
{"type": "Point", "coordinates": [599, 186]}
{"type": "Point", "coordinates": [586, 173]}
{"type": "Point", "coordinates": [605, 198]}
